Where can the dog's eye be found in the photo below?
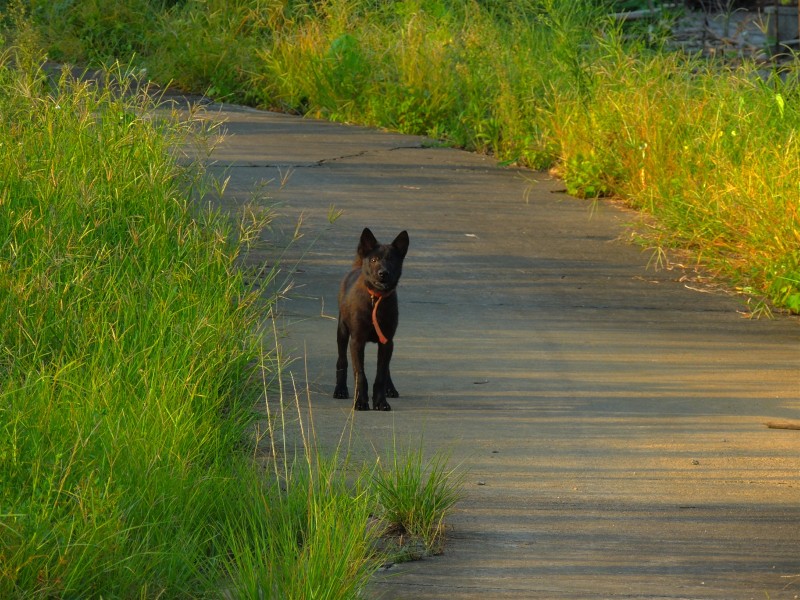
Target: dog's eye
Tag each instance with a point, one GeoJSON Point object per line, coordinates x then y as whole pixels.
{"type": "Point", "coordinates": [373, 260]}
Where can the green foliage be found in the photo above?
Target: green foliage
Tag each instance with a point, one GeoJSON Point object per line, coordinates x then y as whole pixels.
{"type": "Point", "coordinates": [130, 356]}
{"type": "Point", "coordinates": [309, 538]}
{"type": "Point", "coordinates": [98, 30]}
{"type": "Point", "coordinates": [708, 149]}
{"type": "Point", "coordinates": [785, 287]}
{"type": "Point", "coordinates": [587, 177]}
{"type": "Point", "coordinates": [126, 335]}
{"type": "Point", "coordinates": [209, 46]}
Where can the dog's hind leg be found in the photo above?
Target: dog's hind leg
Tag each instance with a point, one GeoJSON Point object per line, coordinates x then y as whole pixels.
{"type": "Point", "coordinates": [342, 337]}
{"type": "Point", "coordinates": [382, 379]}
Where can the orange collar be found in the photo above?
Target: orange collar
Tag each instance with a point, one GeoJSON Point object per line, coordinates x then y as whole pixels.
{"type": "Point", "coordinates": [380, 296]}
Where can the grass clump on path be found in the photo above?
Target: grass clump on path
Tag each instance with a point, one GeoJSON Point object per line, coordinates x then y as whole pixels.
{"type": "Point", "coordinates": [415, 496]}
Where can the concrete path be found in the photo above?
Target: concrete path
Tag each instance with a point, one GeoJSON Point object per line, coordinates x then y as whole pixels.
{"type": "Point", "coordinates": [609, 417]}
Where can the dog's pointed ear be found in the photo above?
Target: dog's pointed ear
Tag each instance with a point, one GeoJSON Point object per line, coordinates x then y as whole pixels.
{"type": "Point", "coordinates": [367, 244]}
{"type": "Point", "coordinates": [401, 242]}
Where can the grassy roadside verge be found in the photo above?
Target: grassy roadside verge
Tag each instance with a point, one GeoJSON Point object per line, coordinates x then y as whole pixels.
{"type": "Point", "coordinates": [708, 149]}
{"type": "Point", "coordinates": [121, 348]}
{"type": "Point", "coordinates": [131, 359]}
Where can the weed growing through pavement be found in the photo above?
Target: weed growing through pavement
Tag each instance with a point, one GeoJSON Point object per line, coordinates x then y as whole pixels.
{"type": "Point", "coordinates": [415, 496]}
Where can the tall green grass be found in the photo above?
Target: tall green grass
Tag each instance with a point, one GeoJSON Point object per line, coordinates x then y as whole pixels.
{"type": "Point", "coordinates": [706, 148]}
{"type": "Point", "coordinates": [127, 335]}
{"type": "Point", "coordinates": [131, 365]}
{"type": "Point", "coordinates": [711, 150]}
{"type": "Point", "coordinates": [311, 536]}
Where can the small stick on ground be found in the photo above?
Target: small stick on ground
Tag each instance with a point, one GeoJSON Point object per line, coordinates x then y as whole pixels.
{"type": "Point", "coordinates": [783, 425]}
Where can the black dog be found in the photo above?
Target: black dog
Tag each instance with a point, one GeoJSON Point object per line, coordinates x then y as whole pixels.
{"type": "Point", "coordinates": [368, 313]}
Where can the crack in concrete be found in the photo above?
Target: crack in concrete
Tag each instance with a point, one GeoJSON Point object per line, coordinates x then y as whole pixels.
{"type": "Point", "coordinates": [317, 163]}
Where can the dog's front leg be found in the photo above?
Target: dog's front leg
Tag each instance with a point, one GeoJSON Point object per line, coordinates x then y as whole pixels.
{"type": "Point", "coordinates": [382, 378]}
{"type": "Point", "coordinates": [342, 337]}
{"type": "Point", "coordinates": [391, 391]}
{"type": "Point", "coordinates": [361, 394]}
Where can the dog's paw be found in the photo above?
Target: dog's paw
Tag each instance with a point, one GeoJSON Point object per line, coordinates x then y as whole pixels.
{"type": "Point", "coordinates": [392, 393]}
{"type": "Point", "coordinates": [341, 392]}
{"type": "Point", "coordinates": [381, 406]}
{"type": "Point", "coordinates": [361, 406]}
